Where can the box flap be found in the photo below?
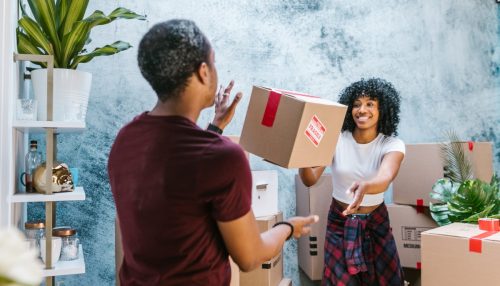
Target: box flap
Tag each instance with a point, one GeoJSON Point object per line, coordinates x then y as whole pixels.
{"type": "Point", "coordinates": [461, 230]}
{"type": "Point", "coordinates": [303, 96]}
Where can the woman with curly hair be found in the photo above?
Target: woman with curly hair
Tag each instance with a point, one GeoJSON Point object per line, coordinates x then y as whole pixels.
{"type": "Point", "coordinates": [359, 246]}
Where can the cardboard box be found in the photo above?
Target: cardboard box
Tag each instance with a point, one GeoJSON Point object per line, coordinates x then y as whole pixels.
{"type": "Point", "coordinates": [236, 139]}
{"type": "Point", "coordinates": [407, 223]}
{"type": "Point", "coordinates": [423, 166]}
{"type": "Point", "coordinates": [313, 200]}
{"type": "Point", "coordinates": [291, 129]}
{"type": "Point", "coordinates": [264, 193]}
{"type": "Point", "coordinates": [271, 272]}
{"type": "Point", "coordinates": [447, 258]}
{"type": "Point", "coordinates": [285, 282]}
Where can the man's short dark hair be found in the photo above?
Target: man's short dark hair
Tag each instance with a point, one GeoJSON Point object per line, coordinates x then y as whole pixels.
{"type": "Point", "coordinates": [169, 53]}
{"type": "Point", "coordinates": [388, 103]}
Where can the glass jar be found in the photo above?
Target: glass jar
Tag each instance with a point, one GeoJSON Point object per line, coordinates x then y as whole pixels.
{"type": "Point", "coordinates": [70, 242]}
{"type": "Point", "coordinates": [34, 230]}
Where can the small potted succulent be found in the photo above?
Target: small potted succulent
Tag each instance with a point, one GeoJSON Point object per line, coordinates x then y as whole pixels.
{"type": "Point", "coordinates": [60, 28]}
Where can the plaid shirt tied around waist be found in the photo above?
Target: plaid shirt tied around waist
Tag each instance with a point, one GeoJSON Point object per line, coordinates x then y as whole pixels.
{"type": "Point", "coordinates": [360, 249]}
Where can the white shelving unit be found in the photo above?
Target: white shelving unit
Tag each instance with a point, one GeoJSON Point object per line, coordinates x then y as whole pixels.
{"type": "Point", "coordinates": [22, 129]}
{"type": "Point", "coordinates": [41, 126]}
{"type": "Point", "coordinates": [77, 195]}
{"type": "Point", "coordinates": [67, 267]}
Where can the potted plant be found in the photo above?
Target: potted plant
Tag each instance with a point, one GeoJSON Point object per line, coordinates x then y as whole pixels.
{"type": "Point", "coordinates": [461, 197]}
{"type": "Point", "coordinates": [59, 28]}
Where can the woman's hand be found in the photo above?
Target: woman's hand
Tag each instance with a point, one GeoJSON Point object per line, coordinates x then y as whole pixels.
{"type": "Point", "coordinates": [358, 191]}
{"type": "Point", "coordinates": [224, 113]}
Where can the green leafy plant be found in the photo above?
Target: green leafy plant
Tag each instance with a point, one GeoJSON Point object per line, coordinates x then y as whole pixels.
{"type": "Point", "coordinates": [443, 191]}
{"type": "Point", "coordinates": [58, 28]}
{"type": "Point", "coordinates": [462, 198]}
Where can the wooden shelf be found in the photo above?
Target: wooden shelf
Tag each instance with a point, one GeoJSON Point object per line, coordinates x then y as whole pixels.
{"type": "Point", "coordinates": [67, 267]}
{"type": "Point", "coordinates": [77, 195]}
{"type": "Point", "coordinates": [39, 126]}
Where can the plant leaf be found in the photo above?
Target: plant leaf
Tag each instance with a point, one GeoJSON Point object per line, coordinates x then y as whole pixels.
{"type": "Point", "coordinates": [25, 46]}
{"type": "Point", "coordinates": [484, 213]}
{"type": "Point", "coordinates": [44, 13]}
{"type": "Point", "coordinates": [444, 189]}
{"type": "Point", "coordinates": [458, 167]}
{"type": "Point", "coordinates": [74, 42]}
{"type": "Point", "coordinates": [124, 13]}
{"type": "Point", "coordinates": [440, 212]}
{"type": "Point", "coordinates": [99, 18]}
{"type": "Point", "coordinates": [75, 13]}
{"type": "Point", "coordinates": [107, 50]}
{"type": "Point", "coordinates": [62, 7]}
{"type": "Point", "coordinates": [35, 33]}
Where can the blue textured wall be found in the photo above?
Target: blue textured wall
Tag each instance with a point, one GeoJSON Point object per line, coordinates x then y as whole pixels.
{"type": "Point", "coordinates": [443, 56]}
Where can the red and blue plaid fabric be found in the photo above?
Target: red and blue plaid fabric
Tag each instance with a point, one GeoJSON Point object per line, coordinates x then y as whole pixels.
{"type": "Point", "coordinates": [360, 250]}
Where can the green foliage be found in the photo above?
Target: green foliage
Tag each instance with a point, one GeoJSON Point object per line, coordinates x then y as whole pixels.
{"type": "Point", "coordinates": [457, 166]}
{"type": "Point", "coordinates": [59, 28]}
{"type": "Point", "coordinates": [462, 198]}
{"type": "Point", "coordinates": [473, 199]}
{"type": "Point", "coordinates": [443, 190]}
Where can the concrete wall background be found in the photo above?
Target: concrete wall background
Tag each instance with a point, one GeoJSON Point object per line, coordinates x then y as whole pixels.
{"type": "Point", "coordinates": [443, 57]}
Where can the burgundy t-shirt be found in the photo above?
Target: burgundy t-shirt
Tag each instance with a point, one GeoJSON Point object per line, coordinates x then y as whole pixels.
{"type": "Point", "coordinates": [172, 182]}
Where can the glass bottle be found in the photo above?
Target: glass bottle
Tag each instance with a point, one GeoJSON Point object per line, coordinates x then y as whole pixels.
{"type": "Point", "coordinates": [32, 160]}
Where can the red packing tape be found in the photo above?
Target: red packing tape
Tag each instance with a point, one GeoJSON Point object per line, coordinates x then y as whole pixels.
{"type": "Point", "coordinates": [491, 226]}
{"type": "Point", "coordinates": [471, 145]}
{"type": "Point", "coordinates": [420, 206]}
{"type": "Point", "coordinates": [273, 102]}
{"type": "Point", "coordinates": [476, 242]}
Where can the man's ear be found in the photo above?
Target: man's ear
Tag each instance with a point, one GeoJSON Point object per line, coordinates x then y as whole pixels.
{"type": "Point", "coordinates": [203, 73]}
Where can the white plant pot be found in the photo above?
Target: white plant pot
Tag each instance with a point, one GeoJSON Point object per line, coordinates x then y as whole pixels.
{"type": "Point", "coordinates": [70, 96]}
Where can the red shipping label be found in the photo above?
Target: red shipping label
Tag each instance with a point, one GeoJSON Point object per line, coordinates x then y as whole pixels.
{"type": "Point", "coordinates": [315, 130]}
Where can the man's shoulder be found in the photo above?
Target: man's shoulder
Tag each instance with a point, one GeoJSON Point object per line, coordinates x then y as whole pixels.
{"type": "Point", "coordinates": [224, 145]}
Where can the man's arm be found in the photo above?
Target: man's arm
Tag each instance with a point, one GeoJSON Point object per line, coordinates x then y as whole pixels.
{"type": "Point", "coordinates": [249, 248]}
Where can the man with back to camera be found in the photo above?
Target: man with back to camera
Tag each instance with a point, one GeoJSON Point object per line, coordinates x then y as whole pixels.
{"type": "Point", "coordinates": [183, 194]}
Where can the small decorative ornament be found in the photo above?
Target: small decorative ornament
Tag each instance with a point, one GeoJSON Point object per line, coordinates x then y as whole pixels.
{"type": "Point", "coordinates": [62, 181]}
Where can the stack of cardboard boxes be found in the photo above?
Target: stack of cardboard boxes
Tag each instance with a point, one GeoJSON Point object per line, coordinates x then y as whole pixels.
{"type": "Point", "coordinates": [265, 209]}
{"type": "Point", "coordinates": [409, 214]}
{"type": "Point", "coordinates": [313, 200]}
